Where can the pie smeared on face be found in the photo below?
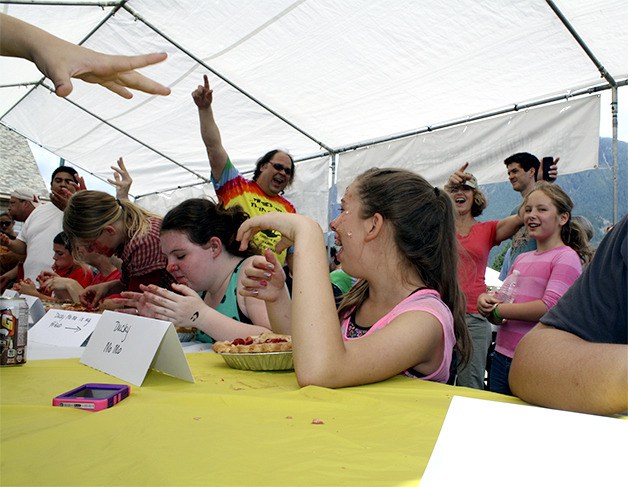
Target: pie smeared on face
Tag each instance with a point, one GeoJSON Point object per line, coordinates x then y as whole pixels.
{"type": "Point", "coordinates": [264, 343]}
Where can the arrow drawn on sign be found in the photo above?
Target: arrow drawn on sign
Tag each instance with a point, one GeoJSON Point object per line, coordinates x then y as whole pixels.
{"type": "Point", "coordinates": [76, 329]}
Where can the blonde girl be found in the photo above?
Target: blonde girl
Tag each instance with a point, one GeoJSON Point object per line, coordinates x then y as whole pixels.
{"type": "Point", "coordinates": [97, 222]}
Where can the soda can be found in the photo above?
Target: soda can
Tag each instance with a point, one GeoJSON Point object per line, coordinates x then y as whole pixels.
{"type": "Point", "coordinates": [13, 331]}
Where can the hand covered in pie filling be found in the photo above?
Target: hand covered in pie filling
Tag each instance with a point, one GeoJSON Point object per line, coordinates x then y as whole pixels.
{"type": "Point", "coordinates": [182, 310]}
{"type": "Point", "coordinates": [131, 303]}
{"type": "Point", "coordinates": [264, 278]}
{"type": "Point", "coordinates": [92, 295]}
{"type": "Point", "coordinates": [26, 286]}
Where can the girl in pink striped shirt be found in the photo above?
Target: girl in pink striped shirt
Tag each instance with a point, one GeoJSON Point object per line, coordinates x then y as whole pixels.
{"type": "Point", "coordinates": [544, 274]}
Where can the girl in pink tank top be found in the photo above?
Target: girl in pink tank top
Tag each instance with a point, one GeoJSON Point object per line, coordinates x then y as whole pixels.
{"type": "Point", "coordinates": [405, 315]}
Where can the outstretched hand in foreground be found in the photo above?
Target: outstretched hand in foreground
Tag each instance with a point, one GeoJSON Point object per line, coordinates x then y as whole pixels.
{"type": "Point", "coordinates": [60, 61]}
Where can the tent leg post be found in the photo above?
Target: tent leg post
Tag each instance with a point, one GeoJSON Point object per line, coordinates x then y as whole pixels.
{"type": "Point", "coordinates": [614, 109]}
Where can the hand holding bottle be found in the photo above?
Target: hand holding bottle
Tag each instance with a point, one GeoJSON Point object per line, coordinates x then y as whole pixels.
{"type": "Point", "coordinates": [508, 290]}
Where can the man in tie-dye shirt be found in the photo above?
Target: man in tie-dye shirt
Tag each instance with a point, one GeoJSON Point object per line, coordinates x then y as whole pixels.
{"type": "Point", "coordinates": [274, 171]}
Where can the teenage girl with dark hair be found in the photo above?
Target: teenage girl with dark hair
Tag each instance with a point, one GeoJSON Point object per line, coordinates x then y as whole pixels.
{"type": "Point", "coordinates": [198, 239]}
{"type": "Point", "coordinates": [405, 315]}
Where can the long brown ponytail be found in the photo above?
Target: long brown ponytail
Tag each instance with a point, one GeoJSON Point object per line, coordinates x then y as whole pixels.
{"type": "Point", "coordinates": [424, 230]}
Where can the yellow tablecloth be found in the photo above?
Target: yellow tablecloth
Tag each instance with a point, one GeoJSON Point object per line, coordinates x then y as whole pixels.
{"type": "Point", "coordinates": [231, 427]}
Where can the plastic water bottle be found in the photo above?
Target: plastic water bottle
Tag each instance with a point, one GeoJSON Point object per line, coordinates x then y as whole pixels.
{"type": "Point", "coordinates": [506, 293]}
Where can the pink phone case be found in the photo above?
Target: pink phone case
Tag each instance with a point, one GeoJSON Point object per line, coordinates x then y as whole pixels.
{"type": "Point", "coordinates": [92, 397]}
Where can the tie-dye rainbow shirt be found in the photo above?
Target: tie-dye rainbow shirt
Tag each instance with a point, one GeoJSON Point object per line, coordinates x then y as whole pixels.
{"type": "Point", "coordinates": [233, 189]}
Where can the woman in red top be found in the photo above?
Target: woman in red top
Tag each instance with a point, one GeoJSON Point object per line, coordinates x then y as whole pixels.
{"type": "Point", "coordinates": [476, 240]}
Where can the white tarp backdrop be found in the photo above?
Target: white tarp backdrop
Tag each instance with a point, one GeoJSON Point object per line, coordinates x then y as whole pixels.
{"type": "Point", "coordinates": [568, 130]}
{"type": "Point", "coordinates": [318, 77]}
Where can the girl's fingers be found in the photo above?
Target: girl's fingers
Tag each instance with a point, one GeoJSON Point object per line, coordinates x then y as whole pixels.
{"type": "Point", "coordinates": [128, 311]}
{"type": "Point", "coordinates": [125, 302]}
{"type": "Point", "coordinates": [159, 294]}
{"type": "Point", "coordinates": [131, 295]}
{"type": "Point", "coordinates": [249, 292]}
{"type": "Point", "coordinates": [183, 289]}
{"type": "Point", "coordinates": [255, 274]}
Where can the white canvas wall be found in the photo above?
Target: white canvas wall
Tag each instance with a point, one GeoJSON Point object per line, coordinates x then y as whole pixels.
{"type": "Point", "coordinates": [568, 130]}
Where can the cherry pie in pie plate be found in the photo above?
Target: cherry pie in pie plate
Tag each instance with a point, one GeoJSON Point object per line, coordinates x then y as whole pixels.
{"type": "Point", "coordinates": [268, 351]}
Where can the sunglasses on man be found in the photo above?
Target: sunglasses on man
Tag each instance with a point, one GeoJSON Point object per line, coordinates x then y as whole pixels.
{"type": "Point", "coordinates": [279, 167]}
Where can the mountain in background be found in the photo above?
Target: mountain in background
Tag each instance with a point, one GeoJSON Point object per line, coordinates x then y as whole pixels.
{"type": "Point", "coordinates": [591, 192]}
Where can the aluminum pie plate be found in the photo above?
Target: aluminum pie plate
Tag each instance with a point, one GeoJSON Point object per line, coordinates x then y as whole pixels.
{"type": "Point", "coordinates": [185, 334]}
{"type": "Point", "coordinates": [259, 361]}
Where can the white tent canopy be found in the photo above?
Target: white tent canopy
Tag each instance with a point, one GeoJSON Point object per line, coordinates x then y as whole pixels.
{"type": "Point", "coordinates": [320, 78]}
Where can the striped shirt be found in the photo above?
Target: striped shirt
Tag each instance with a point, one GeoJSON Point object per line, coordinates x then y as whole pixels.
{"type": "Point", "coordinates": [233, 189]}
{"type": "Point", "coordinates": [545, 276]}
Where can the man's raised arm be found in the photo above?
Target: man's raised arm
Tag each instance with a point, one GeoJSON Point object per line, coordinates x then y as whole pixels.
{"type": "Point", "coordinates": [203, 97]}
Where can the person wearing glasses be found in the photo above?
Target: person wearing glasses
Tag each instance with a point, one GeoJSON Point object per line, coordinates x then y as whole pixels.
{"type": "Point", "coordinates": [6, 224]}
{"type": "Point", "coordinates": [274, 171]}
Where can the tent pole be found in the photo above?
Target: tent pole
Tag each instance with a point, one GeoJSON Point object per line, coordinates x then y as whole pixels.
{"type": "Point", "coordinates": [611, 81]}
{"type": "Point", "coordinates": [481, 116]}
{"type": "Point", "coordinates": [615, 167]}
{"type": "Point", "coordinates": [333, 190]}
{"type": "Point", "coordinates": [134, 139]}
{"type": "Point", "coordinates": [102, 5]}
{"type": "Point", "coordinates": [226, 80]}
{"type": "Point", "coordinates": [605, 74]}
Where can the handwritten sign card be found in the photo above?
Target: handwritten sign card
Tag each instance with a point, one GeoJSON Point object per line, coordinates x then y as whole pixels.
{"type": "Point", "coordinates": [127, 346]}
{"type": "Point", "coordinates": [64, 328]}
